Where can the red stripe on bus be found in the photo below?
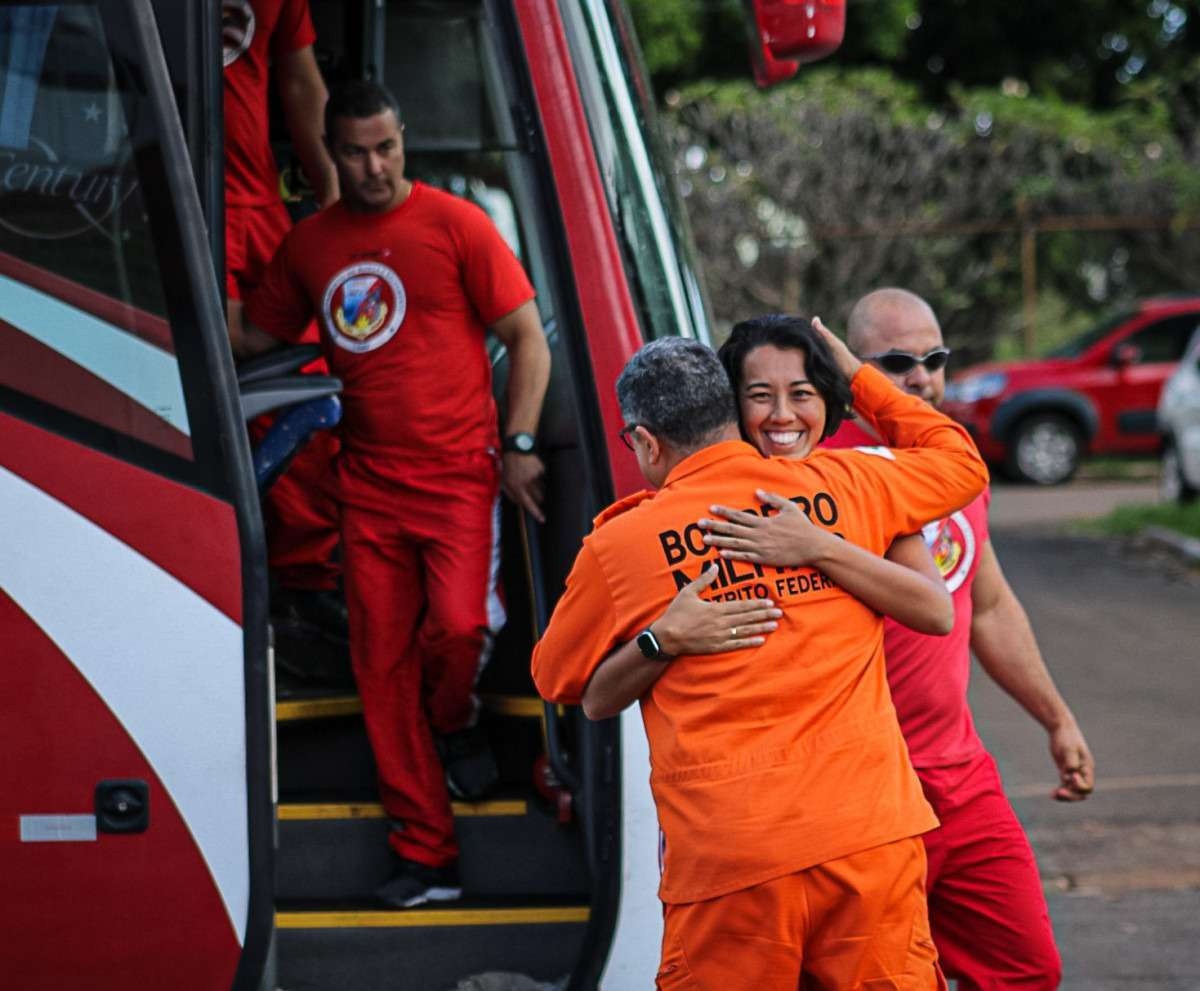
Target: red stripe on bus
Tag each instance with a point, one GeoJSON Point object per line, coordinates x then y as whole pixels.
{"type": "Point", "coordinates": [190, 535]}
{"type": "Point", "coordinates": [32, 368]}
{"type": "Point", "coordinates": [609, 317]}
{"type": "Point", "coordinates": [123, 911]}
{"type": "Point", "coordinates": [150, 328]}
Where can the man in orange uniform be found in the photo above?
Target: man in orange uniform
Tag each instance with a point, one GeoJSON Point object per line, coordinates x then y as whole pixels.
{"type": "Point", "coordinates": [790, 811]}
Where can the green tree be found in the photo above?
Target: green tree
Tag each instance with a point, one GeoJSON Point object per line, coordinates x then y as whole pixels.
{"type": "Point", "coordinates": [804, 197]}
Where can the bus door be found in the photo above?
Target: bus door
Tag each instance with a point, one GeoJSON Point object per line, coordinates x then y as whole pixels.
{"type": "Point", "coordinates": [135, 806]}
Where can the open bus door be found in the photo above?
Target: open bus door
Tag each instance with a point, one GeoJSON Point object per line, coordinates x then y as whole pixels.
{"type": "Point", "coordinates": [136, 805]}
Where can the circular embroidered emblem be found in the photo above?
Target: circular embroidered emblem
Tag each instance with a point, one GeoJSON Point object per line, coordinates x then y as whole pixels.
{"type": "Point", "coordinates": [237, 29]}
{"type": "Point", "coordinates": [363, 307]}
{"type": "Point", "coordinates": [952, 543]}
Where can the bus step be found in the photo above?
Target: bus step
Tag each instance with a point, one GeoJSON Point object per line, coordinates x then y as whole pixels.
{"type": "Point", "coordinates": [508, 847]}
{"type": "Point", "coordinates": [305, 706]}
{"type": "Point", "coordinates": [420, 949]}
{"type": "Point", "coordinates": [329, 754]}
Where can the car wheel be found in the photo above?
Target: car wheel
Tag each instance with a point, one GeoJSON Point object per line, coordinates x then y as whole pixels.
{"type": "Point", "coordinates": [1045, 449]}
{"type": "Point", "coordinates": [1173, 486]}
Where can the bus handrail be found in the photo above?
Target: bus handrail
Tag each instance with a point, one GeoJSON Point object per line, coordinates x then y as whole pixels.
{"type": "Point", "coordinates": [531, 545]}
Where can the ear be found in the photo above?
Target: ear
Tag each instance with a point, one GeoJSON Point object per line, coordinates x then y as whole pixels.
{"type": "Point", "coordinates": [654, 447]}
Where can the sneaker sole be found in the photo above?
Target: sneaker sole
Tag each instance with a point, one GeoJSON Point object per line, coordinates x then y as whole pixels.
{"type": "Point", "coordinates": [434, 895]}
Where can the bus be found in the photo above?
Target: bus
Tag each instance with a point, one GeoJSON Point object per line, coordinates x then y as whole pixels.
{"type": "Point", "coordinates": [177, 812]}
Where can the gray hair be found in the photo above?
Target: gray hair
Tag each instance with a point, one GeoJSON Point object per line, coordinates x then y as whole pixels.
{"type": "Point", "coordinates": [677, 389]}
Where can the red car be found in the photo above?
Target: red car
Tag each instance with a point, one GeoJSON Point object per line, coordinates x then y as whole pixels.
{"type": "Point", "coordinates": [1094, 395]}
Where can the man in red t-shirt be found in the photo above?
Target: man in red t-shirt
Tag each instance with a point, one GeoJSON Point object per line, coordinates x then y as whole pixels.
{"type": "Point", "coordinates": [405, 280]}
{"type": "Point", "coordinates": [261, 36]}
{"type": "Point", "coordinates": [986, 907]}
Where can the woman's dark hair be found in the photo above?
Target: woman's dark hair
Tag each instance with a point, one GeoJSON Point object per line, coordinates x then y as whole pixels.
{"type": "Point", "coordinates": [783, 331]}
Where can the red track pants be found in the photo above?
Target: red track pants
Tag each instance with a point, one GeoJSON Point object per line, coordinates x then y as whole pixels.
{"type": "Point", "coordinates": [421, 553]}
{"type": "Point", "coordinates": [986, 908]}
{"type": "Point", "coordinates": [300, 515]}
{"type": "Point", "coordinates": [299, 512]}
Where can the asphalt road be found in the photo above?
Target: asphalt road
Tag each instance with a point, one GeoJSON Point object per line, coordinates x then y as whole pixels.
{"type": "Point", "coordinates": [1119, 625]}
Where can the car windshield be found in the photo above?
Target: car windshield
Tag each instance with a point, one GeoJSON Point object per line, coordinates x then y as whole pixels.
{"type": "Point", "coordinates": [1074, 348]}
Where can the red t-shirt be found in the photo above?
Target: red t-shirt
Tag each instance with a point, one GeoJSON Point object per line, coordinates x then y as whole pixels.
{"type": "Point", "coordinates": [928, 675]}
{"type": "Point", "coordinates": [254, 32]}
{"type": "Point", "coordinates": [403, 300]}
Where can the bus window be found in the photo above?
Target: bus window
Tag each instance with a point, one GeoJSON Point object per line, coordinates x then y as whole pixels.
{"type": "Point", "coordinates": [443, 67]}
{"type": "Point", "coordinates": [638, 181]}
{"type": "Point", "coordinates": [82, 305]}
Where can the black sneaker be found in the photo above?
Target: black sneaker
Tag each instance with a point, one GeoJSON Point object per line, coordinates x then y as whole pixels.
{"type": "Point", "coordinates": [321, 610]}
{"type": "Point", "coordinates": [471, 770]}
{"type": "Point", "coordinates": [416, 884]}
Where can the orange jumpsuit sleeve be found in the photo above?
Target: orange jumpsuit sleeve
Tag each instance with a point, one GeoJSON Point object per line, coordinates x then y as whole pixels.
{"type": "Point", "coordinates": [932, 467]}
{"type": "Point", "coordinates": [581, 633]}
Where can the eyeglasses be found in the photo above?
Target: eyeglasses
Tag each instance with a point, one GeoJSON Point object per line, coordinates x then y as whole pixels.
{"type": "Point", "coordinates": [625, 433]}
{"type": "Point", "coordinates": [903, 362]}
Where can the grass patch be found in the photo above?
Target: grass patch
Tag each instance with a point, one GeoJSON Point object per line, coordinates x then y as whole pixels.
{"type": "Point", "coordinates": [1127, 521]}
{"type": "Point", "coordinates": [1114, 469]}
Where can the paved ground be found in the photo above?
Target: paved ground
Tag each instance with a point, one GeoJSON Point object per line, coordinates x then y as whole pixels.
{"type": "Point", "coordinates": [1020, 505]}
{"type": "Point", "coordinates": [1120, 626]}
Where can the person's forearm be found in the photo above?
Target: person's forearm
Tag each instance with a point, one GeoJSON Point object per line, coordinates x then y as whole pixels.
{"type": "Point", "coordinates": [528, 378]}
{"type": "Point", "coordinates": [920, 603]}
{"type": "Point", "coordinates": [1003, 641]}
{"type": "Point", "coordinates": [303, 95]}
{"type": "Point", "coordinates": [623, 678]}
{"type": "Point", "coordinates": [245, 340]}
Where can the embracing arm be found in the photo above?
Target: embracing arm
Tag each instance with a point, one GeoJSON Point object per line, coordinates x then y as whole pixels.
{"type": "Point", "coordinates": [936, 467]}
{"type": "Point", "coordinates": [1003, 641]}
{"type": "Point", "coordinates": [907, 588]}
{"type": "Point", "coordinates": [688, 626]}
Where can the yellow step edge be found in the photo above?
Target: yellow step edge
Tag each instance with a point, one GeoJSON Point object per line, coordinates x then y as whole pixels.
{"type": "Point", "coordinates": [409, 918]}
{"type": "Point", "coordinates": [326, 708]}
{"type": "Point", "coordinates": [528, 706]}
{"type": "Point", "coordinates": [294, 811]}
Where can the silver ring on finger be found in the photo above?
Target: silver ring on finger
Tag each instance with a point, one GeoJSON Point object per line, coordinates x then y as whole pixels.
{"type": "Point", "coordinates": [733, 633]}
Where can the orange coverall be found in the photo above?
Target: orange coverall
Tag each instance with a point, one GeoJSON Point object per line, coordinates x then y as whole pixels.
{"type": "Point", "coordinates": [774, 760]}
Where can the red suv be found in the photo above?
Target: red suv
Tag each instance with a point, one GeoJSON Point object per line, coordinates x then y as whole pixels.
{"type": "Point", "coordinates": [1095, 395]}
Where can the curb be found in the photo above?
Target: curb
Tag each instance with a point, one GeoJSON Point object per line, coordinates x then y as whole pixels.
{"type": "Point", "coordinates": [1189, 547]}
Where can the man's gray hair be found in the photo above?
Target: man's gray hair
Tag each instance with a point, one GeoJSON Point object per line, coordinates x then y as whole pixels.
{"type": "Point", "coordinates": [677, 389]}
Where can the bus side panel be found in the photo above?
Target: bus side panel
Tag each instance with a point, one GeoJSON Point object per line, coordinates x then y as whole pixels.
{"type": "Point", "coordinates": [608, 311]}
{"type": "Point", "coordinates": [119, 669]}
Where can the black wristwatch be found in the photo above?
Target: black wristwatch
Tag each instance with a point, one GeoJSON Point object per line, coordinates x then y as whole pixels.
{"type": "Point", "coordinates": [650, 647]}
{"type": "Point", "coordinates": [520, 443]}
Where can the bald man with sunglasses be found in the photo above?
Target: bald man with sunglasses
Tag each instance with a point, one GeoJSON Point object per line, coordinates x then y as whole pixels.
{"type": "Point", "coordinates": [986, 908]}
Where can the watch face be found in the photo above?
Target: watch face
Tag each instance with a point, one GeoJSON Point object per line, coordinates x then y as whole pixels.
{"type": "Point", "coordinates": [523, 443]}
{"type": "Point", "coordinates": [648, 644]}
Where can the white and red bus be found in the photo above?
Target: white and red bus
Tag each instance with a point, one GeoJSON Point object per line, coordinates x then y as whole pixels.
{"type": "Point", "coordinates": [170, 817]}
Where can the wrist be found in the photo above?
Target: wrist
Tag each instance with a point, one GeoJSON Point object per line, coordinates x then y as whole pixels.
{"type": "Point", "coordinates": [519, 442]}
{"type": "Point", "coordinates": [665, 636]}
{"type": "Point", "coordinates": [1059, 720]}
{"type": "Point", "coordinates": [821, 549]}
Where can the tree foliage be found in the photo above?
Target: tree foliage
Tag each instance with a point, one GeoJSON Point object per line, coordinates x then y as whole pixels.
{"type": "Point", "coordinates": [1085, 51]}
{"type": "Point", "coordinates": [807, 196]}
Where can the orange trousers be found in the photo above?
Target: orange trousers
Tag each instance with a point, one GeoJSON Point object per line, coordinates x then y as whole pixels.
{"type": "Point", "coordinates": [859, 922]}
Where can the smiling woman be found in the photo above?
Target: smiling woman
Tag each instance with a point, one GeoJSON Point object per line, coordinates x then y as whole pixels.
{"type": "Point", "coordinates": [791, 394]}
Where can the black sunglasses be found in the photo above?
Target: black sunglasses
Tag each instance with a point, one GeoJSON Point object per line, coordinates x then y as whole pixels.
{"type": "Point", "coordinates": [903, 362]}
{"type": "Point", "coordinates": [624, 433]}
